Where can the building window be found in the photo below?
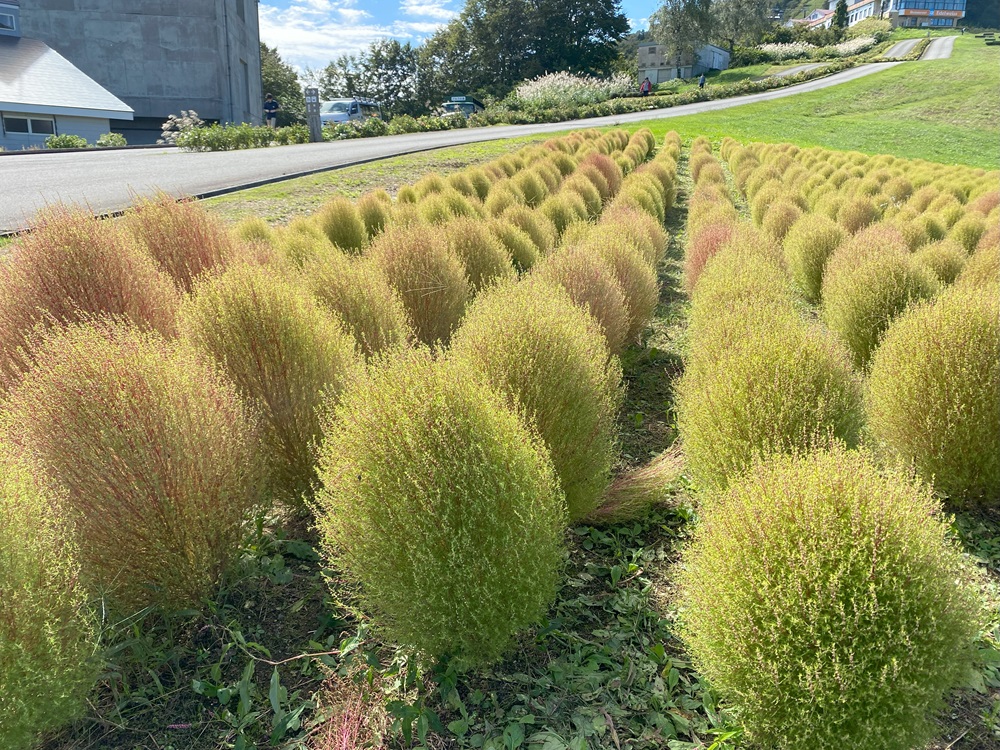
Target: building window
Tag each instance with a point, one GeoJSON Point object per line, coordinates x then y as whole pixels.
{"type": "Point", "coordinates": [245, 75]}
{"type": "Point", "coordinates": [29, 125]}
{"type": "Point", "coordinates": [6, 22]}
{"type": "Point", "coordinates": [241, 9]}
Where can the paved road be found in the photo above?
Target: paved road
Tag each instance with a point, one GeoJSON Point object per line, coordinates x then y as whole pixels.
{"type": "Point", "coordinates": [798, 69]}
{"type": "Point", "coordinates": [939, 49]}
{"type": "Point", "coordinates": [901, 49]}
{"type": "Point", "coordinates": [107, 181]}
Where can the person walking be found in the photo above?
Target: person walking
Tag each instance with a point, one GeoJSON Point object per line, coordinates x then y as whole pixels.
{"type": "Point", "coordinates": [645, 87]}
{"type": "Point", "coordinates": [271, 107]}
{"type": "Point", "coordinates": [701, 81]}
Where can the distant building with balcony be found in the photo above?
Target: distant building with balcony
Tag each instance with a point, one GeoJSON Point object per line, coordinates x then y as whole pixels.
{"type": "Point", "coordinates": [159, 56]}
{"type": "Point", "coordinates": [654, 65]}
{"type": "Point", "coordinates": [930, 13]}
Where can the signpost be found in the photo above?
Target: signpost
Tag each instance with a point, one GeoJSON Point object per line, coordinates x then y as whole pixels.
{"type": "Point", "coordinates": [312, 115]}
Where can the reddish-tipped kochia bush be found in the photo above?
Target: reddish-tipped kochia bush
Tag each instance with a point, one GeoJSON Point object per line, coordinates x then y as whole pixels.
{"type": "Point", "coordinates": [701, 246]}
{"type": "Point", "coordinates": [183, 238]}
{"type": "Point", "coordinates": [284, 352]}
{"type": "Point", "coordinates": [558, 370]}
{"type": "Point", "coordinates": [156, 452]}
{"type": "Point", "coordinates": [69, 267]}
{"type": "Point", "coordinates": [429, 277]}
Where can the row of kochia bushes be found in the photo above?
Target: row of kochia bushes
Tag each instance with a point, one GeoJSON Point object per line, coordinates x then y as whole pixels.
{"type": "Point", "coordinates": [840, 377]}
{"type": "Point", "coordinates": [434, 377]}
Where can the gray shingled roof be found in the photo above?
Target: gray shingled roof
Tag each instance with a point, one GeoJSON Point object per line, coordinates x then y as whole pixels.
{"type": "Point", "coordinates": [36, 79]}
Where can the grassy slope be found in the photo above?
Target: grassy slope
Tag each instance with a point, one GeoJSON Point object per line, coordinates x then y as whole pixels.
{"type": "Point", "coordinates": [942, 110]}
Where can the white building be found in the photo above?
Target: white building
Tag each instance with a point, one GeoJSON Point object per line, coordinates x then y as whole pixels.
{"type": "Point", "coordinates": [43, 94]}
{"type": "Point", "coordinates": [653, 64]}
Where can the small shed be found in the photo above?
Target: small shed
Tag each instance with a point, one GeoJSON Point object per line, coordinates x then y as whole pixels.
{"type": "Point", "coordinates": [42, 93]}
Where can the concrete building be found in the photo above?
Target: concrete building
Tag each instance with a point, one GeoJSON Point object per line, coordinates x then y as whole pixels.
{"type": "Point", "coordinates": [653, 64]}
{"type": "Point", "coordinates": [43, 94]}
{"type": "Point", "coordinates": [930, 13]}
{"type": "Point", "coordinates": [159, 56]}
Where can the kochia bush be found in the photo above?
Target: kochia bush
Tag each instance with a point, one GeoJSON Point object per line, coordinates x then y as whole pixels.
{"type": "Point", "coordinates": [933, 394]}
{"type": "Point", "coordinates": [284, 352]}
{"type": "Point", "coordinates": [827, 601]}
{"type": "Point", "coordinates": [156, 452]}
{"type": "Point", "coordinates": [485, 258]}
{"type": "Point", "coordinates": [558, 370]}
{"type": "Point", "coordinates": [46, 632]}
{"type": "Point", "coordinates": [442, 503]}
{"type": "Point", "coordinates": [808, 245]}
{"type": "Point", "coordinates": [341, 222]}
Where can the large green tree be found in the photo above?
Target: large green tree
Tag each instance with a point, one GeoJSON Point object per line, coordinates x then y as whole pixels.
{"type": "Point", "coordinates": [387, 72]}
{"type": "Point", "coordinates": [281, 81]}
{"type": "Point", "coordinates": [682, 26]}
{"type": "Point", "coordinates": [578, 35]}
{"type": "Point", "coordinates": [740, 21]}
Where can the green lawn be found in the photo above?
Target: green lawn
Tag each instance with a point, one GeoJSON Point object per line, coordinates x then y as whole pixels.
{"type": "Point", "coordinates": [942, 110]}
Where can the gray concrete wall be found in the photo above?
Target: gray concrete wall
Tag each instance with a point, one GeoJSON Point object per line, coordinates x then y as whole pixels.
{"type": "Point", "coordinates": [159, 56]}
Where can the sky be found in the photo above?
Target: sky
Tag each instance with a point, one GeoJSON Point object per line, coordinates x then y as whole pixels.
{"type": "Point", "coordinates": [310, 33]}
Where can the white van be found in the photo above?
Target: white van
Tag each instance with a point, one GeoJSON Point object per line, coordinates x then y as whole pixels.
{"type": "Point", "coordinates": [342, 110]}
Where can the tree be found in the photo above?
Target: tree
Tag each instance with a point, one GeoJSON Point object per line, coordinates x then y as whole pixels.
{"type": "Point", "coordinates": [740, 21]}
{"type": "Point", "coordinates": [390, 76]}
{"type": "Point", "coordinates": [578, 35]}
{"type": "Point", "coordinates": [342, 78]}
{"type": "Point", "coordinates": [682, 26]}
{"type": "Point", "coordinates": [281, 81]}
{"type": "Point", "coordinates": [840, 15]}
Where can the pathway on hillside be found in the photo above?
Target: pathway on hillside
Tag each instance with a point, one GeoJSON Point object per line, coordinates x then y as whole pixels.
{"type": "Point", "coordinates": [939, 49]}
{"type": "Point", "coordinates": [798, 69]}
{"type": "Point", "coordinates": [108, 181]}
{"type": "Point", "coordinates": [901, 49]}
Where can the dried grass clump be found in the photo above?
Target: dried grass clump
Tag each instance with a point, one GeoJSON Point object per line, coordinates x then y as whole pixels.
{"type": "Point", "coordinates": [522, 249]}
{"type": "Point", "coordinates": [808, 246]}
{"type": "Point", "coordinates": [444, 505]}
{"type": "Point", "coordinates": [782, 387]}
{"type": "Point", "coordinates": [590, 282]}
{"type": "Point", "coordinates": [375, 210]}
{"type": "Point", "coordinates": [47, 637]}
{"type": "Point", "coordinates": [934, 392]}
{"type": "Point", "coordinates": [429, 277]}
{"type": "Point", "coordinates": [341, 222]}
{"type": "Point", "coordinates": [71, 266]}
{"type": "Point", "coordinates": [485, 258]}
{"type": "Point", "coordinates": [156, 452]}
{"type": "Point", "coordinates": [357, 291]}
{"type": "Point", "coordinates": [829, 603]}
{"type": "Point", "coordinates": [558, 370]}
{"type": "Point", "coordinates": [284, 352]}
{"type": "Point", "coordinates": [945, 259]}
{"type": "Point", "coordinates": [632, 494]}
{"type": "Point", "coordinates": [864, 288]}
{"type": "Point", "coordinates": [183, 238]}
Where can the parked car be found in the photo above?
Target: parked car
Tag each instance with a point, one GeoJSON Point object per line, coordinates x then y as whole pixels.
{"type": "Point", "coordinates": [342, 110]}
{"type": "Point", "coordinates": [462, 105]}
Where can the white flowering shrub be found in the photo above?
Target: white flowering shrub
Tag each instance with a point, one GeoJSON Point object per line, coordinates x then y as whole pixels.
{"type": "Point", "coordinates": [850, 47]}
{"type": "Point", "coordinates": [788, 51]}
{"type": "Point", "coordinates": [175, 126]}
{"type": "Point", "coordinates": [555, 89]}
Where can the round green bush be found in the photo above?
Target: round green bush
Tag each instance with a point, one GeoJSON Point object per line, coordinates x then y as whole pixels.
{"type": "Point", "coordinates": [558, 370]}
{"type": "Point", "coordinates": [933, 394]}
{"type": "Point", "coordinates": [828, 602]}
{"type": "Point", "coordinates": [535, 224]}
{"type": "Point", "coordinates": [522, 249]}
{"type": "Point", "coordinates": [485, 258]}
{"type": "Point", "coordinates": [982, 269]}
{"type": "Point", "coordinates": [446, 508]}
{"type": "Point", "coordinates": [636, 277]}
{"type": "Point", "coordinates": [46, 632]}
{"type": "Point", "coordinates": [285, 353]}
{"type": "Point", "coordinates": [646, 234]}
{"type": "Point", "coordinates": [863, 291]}
{"type": "Point", "coordinates": [779, 387]}
{"type": "Point", "coordinates": [157, 453]}
{"type": "Point", "coordinates": [968, 230]}
{"type": "Point", "coordinates": [429, 277]}
{"type": "Point", "coordinates": [857, 213]}
{"type": "Point", "coordinates": [563, 209]}
{"type": "Point", "coordinates": [945, 259]}
{"type": "Point", "coordinates": [357, 291]}
{"type": "Point", "coordinates": [808, 245]}
{"type": "Point", "coordinates": [592, 285]}
{"type": "Point", "coordinates": [780, 217]}
{"type": "Point", "coordinates": [375, 210]}
{"type": "Point", "coordinates": [341, 222]}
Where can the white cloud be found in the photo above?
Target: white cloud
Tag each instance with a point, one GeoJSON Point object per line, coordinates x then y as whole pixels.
{"type": "Point", "coordinates": [311, 33]}
{"type": "Point", "coordinates": [429, 8]}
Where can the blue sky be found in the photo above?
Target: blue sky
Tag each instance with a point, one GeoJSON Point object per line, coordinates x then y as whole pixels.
{"type": "Point", "coordinates": [309, 33]}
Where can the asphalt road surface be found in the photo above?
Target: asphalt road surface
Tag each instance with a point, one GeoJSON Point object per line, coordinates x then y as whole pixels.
{"type": "Point", "coordinates": [901, 49]}
{"type": "Point", "coordinates": [939, 49]}
{"type": "Point", "coordinates": [798, 69]}
{"type": "Point", "coordinates": [108, 181]}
